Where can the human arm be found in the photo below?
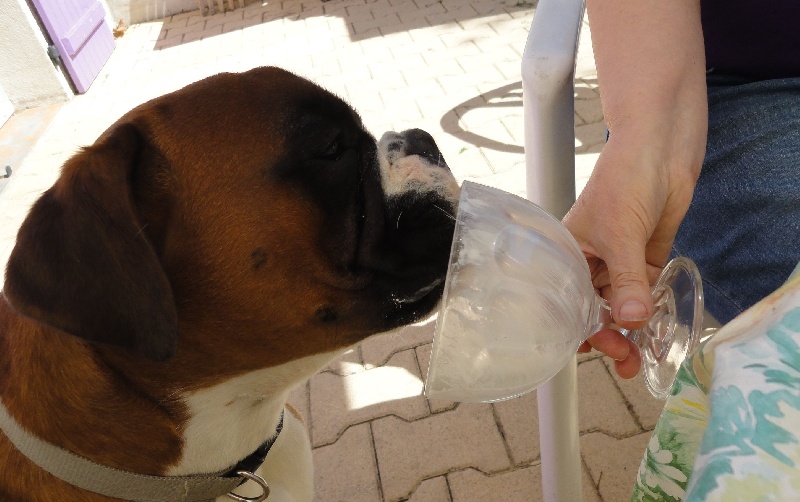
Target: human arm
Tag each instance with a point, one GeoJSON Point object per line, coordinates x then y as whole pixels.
{"type": "Point", "coordinates": [651, 70]}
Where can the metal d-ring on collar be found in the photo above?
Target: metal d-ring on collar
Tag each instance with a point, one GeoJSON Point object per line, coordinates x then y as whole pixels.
{"type": "Point", "coordinates": [259, 481]}
{"type": "Point", "coordinates": [83, 473]}
{"type": "Point", "coordinates": [248, 466]}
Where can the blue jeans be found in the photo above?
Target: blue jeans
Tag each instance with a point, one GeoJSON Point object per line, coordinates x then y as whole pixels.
{"type": "Point", "coordinates": [743, 226]}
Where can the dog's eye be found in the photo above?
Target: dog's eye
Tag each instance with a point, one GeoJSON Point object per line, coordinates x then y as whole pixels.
{"type": "Point", "coordinates": [333, 151]}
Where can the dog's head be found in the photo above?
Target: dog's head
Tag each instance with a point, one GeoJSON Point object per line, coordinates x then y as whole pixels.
{"type": "Point", "coordinates": [252, 206]}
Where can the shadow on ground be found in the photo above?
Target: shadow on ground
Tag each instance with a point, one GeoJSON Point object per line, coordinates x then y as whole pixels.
{"type": "Point", "coordinates": [364, 18]}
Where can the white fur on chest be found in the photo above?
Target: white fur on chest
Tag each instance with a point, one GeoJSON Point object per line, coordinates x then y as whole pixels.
{"type": "Point", "coordinates": [230, 420]}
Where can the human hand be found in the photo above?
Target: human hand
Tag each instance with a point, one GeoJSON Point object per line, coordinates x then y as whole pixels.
{"type": "Point", "coordinates": [651, 70]}
{"type": "Point", "coordinates": [625, 222]}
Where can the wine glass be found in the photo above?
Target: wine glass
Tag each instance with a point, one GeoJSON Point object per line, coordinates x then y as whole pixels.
{"type": "Point", "coordinates": [519, 301]}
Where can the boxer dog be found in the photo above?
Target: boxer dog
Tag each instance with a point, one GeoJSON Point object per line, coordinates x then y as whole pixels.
{"type": "Point", "coordinates": [213, 249]}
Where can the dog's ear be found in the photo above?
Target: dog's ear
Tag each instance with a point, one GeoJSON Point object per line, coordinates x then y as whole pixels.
{"type": "Point", "coordinates": [82, 262]}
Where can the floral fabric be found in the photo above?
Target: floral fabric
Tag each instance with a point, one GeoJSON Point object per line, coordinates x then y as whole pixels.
{"type": "Point", "coordinates": [731, 429]}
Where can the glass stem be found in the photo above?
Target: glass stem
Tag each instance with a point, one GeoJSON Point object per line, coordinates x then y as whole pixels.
{"type": "Point", "coordinates": [655, 334]}
{"type": "Point", "coordinates": [599, 317]}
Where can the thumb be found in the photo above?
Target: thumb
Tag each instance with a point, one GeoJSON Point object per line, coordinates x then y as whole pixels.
{"type": "Point", "coordinates": [631, 299]}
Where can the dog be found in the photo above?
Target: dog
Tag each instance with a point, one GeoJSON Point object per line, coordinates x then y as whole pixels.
{"type": "Point", "coordinates": [198, 261]}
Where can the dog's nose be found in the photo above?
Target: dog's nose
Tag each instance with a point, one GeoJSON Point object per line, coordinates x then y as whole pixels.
{"type": "Point", "coordinates": [392, 145]}
{"type": "Point", "coordinates": [396, 145]}
{"type": "Point", "coordinates": [419, 142]}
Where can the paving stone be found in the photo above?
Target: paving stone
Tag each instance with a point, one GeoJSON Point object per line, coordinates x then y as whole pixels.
{"type": "Point", "coordinates": [514, 124]}
{"type": "Point", "coordinates": [470, 164]}
{"type": "Point", "coordinates": [645, 407]}
{"type": "Point", "coordinates": [412, 14]}
{"type": "Point", "coordinates": [408, 452]}
{"type": "Point", "coordinates": [309, 11]}
{"type": "Point", "coordinates": [609, 414]}
{"type": "Point", "coordinates": [432, 490]}
{"type": "Point", "coordinates": [195, 19]}
{"type": "Point", "coordinates": [500, 160]}
{"type": "Point", "coordinates": [613, 463]}
{"type": "Point", "coordinates": [509, 69]}
{"type": "Point", "coordinates": [381, 8]}
{"type": "Point", "coordinates": [340, 401]}
{"type": "Point", "coordinates": [377, 349]}
{"type": "Point", "coordinates": [504, 22]}
{"type": "Point", "coordinates": [359, 12]}
{"type": "Point", "coordinates": [512, 181]}
{"type": "Point", "coordinates": [176, 21]}
{"type": "Point", "coordinates": [340, 8]}
{"type": "Point", "coordinates": [240, 24]}
{"type": "Point", "coordinates": [521, 485]}
{"type": "Point", "coordinates": [454, 14]}
{"type": "Point", "coordinates": [489, 75]}
{"type": "Point", "coordinates": [427, 73]}
{"type": "Point", "coordinates": [424, 358]}
{"type": "Point", "coordinates": [345, 471]}
{"type": "Point", "coordinates": [402, 112]}
{"type": "Point", "coordinates": [589, 135]}
{"type": "Point", "coordinates": [348, 363]}
{"type": "Point", "coordinates": [218, 19]}
{"type": "Point", "coordinates": [254, 11]}
{"type": "Point", "coordinates": [585, 90]}
{"type": "Point", "coordinates": [199, 35]}
{"type": "Point", "coordinates": [519, 418]}
{"type": "Point", "coordinates": [180, 30]}
{"type": "Point", "coordinates": [423, 4]}
{"type": "Point", "coordinates": [590, 491]}
{"type": "Point", "coordinates": [590, 111]}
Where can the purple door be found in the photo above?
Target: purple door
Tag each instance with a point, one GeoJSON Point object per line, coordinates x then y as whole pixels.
{"type": "Point", "coordinates": [81, 35]}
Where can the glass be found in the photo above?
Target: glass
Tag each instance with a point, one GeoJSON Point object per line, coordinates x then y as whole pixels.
{"type": "Point", "coordinates": [519, 301]}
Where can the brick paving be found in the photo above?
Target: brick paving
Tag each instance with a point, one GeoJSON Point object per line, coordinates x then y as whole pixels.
{"type": "Point", "coordinates": [450, 67]}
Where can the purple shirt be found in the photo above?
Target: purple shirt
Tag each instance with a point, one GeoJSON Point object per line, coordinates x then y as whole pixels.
{"type": "Point", "coordinates": [752, 38]}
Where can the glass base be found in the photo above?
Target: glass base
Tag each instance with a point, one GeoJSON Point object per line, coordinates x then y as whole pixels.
{"type": "Point", "coordinates": [675, 329]}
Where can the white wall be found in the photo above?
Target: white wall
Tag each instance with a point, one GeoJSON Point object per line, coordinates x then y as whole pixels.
{"type": "Point", "coordinates": [27, 75]}
{"type": "Point", "coordinates": [6, 108]}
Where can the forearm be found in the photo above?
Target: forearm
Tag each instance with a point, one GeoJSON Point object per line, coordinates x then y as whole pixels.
{"type": "Point", "coordinates": [651, 69]}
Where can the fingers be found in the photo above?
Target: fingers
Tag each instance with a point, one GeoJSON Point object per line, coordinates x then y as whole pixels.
{"type": "Point", "coordinates": [613, 220]}
{"type": "Point", "coordinates": [622, 270]}
{"type": "Point", "coordinates": [631, 300]}
{"type": "Point", "coordinates": [629, 367]}
{"type": "Point", "coordinates": [611, 343]}
{"type": "Point", "coordinates": [623, 351]}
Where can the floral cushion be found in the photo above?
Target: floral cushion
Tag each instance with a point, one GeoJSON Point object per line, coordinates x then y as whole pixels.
{"type": "Point", "coordinates": [731, 429]}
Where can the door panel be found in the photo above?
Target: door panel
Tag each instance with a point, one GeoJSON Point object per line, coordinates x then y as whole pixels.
{"type": "Point", "coordinates": [80, 33]}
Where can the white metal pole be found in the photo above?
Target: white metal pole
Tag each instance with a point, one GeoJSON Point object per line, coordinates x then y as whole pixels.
{"type": "Point", "coordinates": [548, 68]}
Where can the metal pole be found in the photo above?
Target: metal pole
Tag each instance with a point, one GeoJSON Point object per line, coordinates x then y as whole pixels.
{"type": "Point", "coordinates": [548, 68]}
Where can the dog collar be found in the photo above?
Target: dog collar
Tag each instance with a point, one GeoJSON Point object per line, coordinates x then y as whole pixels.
{"type": "Point", "coordinates": [116, 483]}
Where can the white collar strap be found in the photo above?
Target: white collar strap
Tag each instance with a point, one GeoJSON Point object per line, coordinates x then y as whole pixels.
{"type": "Point", "coordinates": [93, 477]}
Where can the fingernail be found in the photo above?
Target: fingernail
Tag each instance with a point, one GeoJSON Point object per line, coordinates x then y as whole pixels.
{"type": "Point", "coordinates": [633, 310]}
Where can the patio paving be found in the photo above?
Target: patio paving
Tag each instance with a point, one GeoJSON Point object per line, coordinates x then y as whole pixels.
{"type": "Point", "coordinates": [449, 67]}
